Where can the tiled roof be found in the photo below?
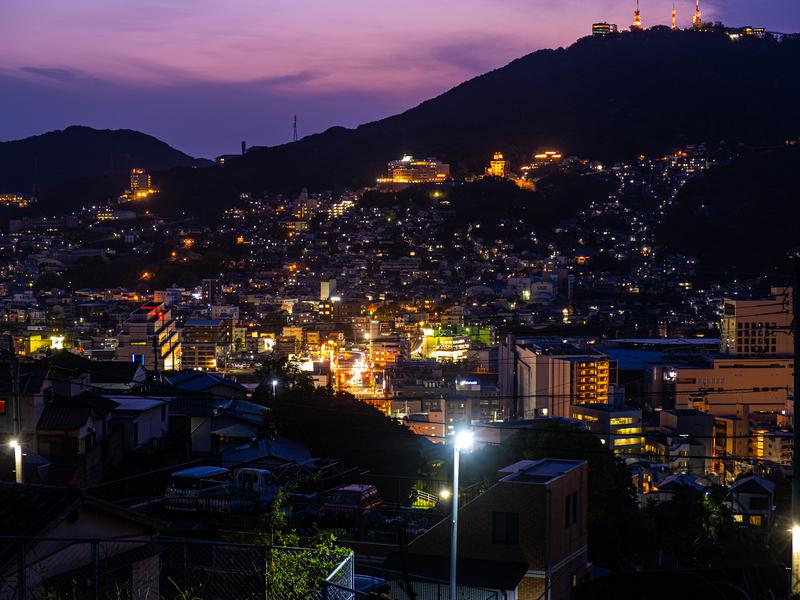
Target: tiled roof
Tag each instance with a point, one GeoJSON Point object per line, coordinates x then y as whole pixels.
{"type": "Point", "coordinates": [63, 417]}
{"type": "Point", "coordinates": [196, 381]}
{"type": "Point", "coordinates": [753, 485]}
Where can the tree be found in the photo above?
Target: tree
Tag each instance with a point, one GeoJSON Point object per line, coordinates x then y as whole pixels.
{"type": "Point", "coordinates": [294, 572]}
{"type": "Point", "coordinates": [286, 372]}
{"type": "Point", "coordinates": [334, 424]}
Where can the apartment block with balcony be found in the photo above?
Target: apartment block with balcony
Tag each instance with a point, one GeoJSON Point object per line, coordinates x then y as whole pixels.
{"type": "Point", "coordinates": [544, 377]}
{"type": "Point", "coordinates": [150, 337]}
{"type": "Point", "coordinates": [202, 341]}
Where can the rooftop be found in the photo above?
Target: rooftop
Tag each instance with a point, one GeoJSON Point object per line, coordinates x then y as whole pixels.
{"type": "Point", "coordinates": [136, 403]}
{"type": "Point", "coordinates": [608, 408]}
{"type": "Point", "coordinates": [200, 472]}
{"type": "Point", "coordinates": [539, 471]}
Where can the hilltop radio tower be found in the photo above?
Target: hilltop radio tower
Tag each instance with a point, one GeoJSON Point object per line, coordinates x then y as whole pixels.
{"type": "Point", "coordinates": [294, 128]}
{"type": "Point", "coordinates": [697, 20]}
{"type": "Point", "coordinates": [637, 18]}
{"type": "Point", "coordinates": [674, 17]}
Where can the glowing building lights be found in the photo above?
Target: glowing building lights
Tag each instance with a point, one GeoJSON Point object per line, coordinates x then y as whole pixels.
{"type": "Point", "coordinates": [409, 170]}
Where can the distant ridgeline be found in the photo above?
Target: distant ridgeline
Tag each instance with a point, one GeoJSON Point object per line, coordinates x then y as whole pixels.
{"type": "Point", "coordinates": [606, 97]}
{"type": "Point", "coordinates": [80, 165]}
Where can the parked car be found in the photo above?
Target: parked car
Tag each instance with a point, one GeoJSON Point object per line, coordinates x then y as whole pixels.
{"type": "Point", "coordinates": [350, 499]}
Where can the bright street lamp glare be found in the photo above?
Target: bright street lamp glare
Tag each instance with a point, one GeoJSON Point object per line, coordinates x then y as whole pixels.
{"type": "Point", "coordinates": [13, 444]}
{"type": "Point", "coordinates": [274, 382]}
{"type": "Point", "coordinates": [444, 494]}
{"type": "Point", "coordinates": [465, 440]}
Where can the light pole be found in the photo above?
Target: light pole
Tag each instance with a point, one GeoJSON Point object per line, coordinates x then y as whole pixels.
{"type": "Point", "coordinates": [274, 388]}
{"type": "Point", "coordinates": [463, 443]}
{"type": "Point", "coordinates": [17, 459]}
{"type": "Point", "coordinates": [796, 429]}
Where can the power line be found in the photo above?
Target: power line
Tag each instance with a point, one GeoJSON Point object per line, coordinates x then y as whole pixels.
{"type": "Point", "coordinates": [502, 426]}
{"type": "Point", "coordinates": [107, 392]}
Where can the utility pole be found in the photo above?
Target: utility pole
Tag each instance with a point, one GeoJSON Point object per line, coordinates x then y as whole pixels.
{"type": "Point", "coordinates": [796, 429]}
{"type": "Point", "coordinates": [295, 138]}
{"type": "Point", "coordinates": [16, 404]}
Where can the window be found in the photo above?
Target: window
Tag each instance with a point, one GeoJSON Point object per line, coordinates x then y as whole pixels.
{"type": "Point", "coordinates": [505, 528]}
{"type": "Point", "coordinates": [574, 507]}
{"type": "Point", "coordinates": [738, 518]}
{"type": "Point", "coordinates": [570, 510]}
{"type": "Point", "coordinates": [2, 407]}
{"type": "Point", "coordinates": [567, 512]}
{"type": "Point", "coordinates": [755, 520]}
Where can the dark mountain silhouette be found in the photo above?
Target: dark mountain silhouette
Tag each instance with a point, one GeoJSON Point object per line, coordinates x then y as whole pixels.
{"type": "Point", "coordinates": [84, 161]}
{"type": "Point", "coordinates": [602, 98]}
{"type": "Point", "coordinates": [605, 98]}
{"type": "Point", "coordinates": [741, 217]}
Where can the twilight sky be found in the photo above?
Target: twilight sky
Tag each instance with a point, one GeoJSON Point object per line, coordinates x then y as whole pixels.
{"type": "Point", "coordinates": [204, 74]}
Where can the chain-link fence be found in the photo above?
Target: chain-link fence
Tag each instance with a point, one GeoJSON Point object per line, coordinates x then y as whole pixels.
{"type": "Point", "coordinates": [156, 569]}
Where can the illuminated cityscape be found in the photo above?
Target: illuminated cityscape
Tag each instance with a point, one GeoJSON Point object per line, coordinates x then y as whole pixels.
{"type": "Point", "coordinates": [556, 358]}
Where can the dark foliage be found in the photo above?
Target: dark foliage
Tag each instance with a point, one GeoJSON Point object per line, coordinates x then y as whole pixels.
{"type": "Point", "coordinates": [337, 425]}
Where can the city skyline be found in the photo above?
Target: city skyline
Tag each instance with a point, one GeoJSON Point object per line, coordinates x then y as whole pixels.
{"type": "Point", "coordinates": [206, 79]}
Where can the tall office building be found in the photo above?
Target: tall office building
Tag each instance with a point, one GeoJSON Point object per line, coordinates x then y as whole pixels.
{"type": "Point", "coordinates": [498, 166]}
{"type": "Point", "coordinates": [544, 377]}
{"type": "Point", "coordinates": [758, 328]}
{"type": "Point", "coordinates": [327, 289]}
{"type": "Point", "coordinates": [150, 338]}
{"type": "Point", "coordinates": [212, 290]}
{"type": "Point", "coordinates": [229, 316]}
{"type": "Point", "coordinates": [202, 340]}
{"type": "Point", "coordinates": [140, 180]}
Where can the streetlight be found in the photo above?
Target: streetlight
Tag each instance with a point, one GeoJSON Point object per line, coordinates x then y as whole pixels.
{"type": "Point", "coordinates": [274, 387]}
{"type": "Point", "coordinates": [795, 557]}
{"type": "Point", "coordinates": [17, 459]}
{"type": "Point", "coordinates": [795, 590]}
{"type": "Point", "coordinates": [464, 440]}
